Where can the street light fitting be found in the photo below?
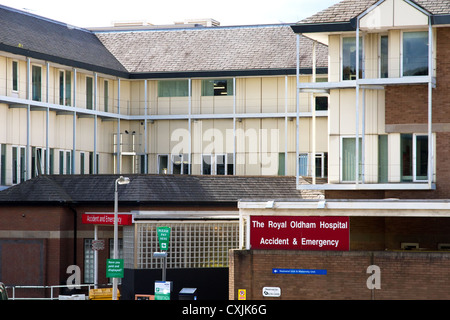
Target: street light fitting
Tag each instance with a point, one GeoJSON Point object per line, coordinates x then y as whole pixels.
{"type": "Point", "coordinates": [123, 180]}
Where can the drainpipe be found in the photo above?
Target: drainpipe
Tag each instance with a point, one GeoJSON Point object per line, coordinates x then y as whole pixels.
{"type": "Point", "coordinates": [75, 235]}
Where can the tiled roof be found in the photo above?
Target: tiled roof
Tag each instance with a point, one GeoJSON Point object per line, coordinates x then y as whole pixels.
{"type": "Point", "coordinates": [209, 49]}
{"type": "Point", "coordinates": [46, 39]}
{"type": "Point", "coordinates": [346, 10]}
{"type": "Point", "coordinates": [153, 188]}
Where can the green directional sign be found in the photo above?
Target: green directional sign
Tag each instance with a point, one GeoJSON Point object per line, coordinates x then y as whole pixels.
{"type": "Point", "coordinates": [114, 268]}
{"type": "Point", "coordinates": [163, 237]}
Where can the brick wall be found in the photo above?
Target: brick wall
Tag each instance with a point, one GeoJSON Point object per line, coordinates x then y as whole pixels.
{"type": "Point", "coordinates": [403, 275]}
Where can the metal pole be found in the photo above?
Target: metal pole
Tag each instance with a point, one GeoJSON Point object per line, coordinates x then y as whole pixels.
{"type": "Point", "coordinates": [95, 258]}
{"type": "Point", "coordinates": [116, 240]}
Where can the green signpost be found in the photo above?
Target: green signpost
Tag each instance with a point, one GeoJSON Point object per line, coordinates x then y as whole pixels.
{"type": "Point", "coordinates": [114, 268]}
{"type": "Point", "coordinates": [163, 237]}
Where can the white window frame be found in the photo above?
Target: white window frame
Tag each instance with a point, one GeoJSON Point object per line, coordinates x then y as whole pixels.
{"type": "Point", "coordinates": [158, 168]}
{"type": "Point", "coordinates": [17, 169]}
{"type": "Point", "coordinates": [210, 164]}
{"type": "Point", "coordinates": [65, 87]}
{"type": "Point", "coordinates": [17, 75]}
{"type": "Point", "coordinates": [401, 51]}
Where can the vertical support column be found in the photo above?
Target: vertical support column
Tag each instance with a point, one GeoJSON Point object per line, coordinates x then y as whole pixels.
{"type": "Point", "coordinates": [357, 107]}
{"type": "Point", "coordinates": [313, 110]}
{"type": "Point", "coordinates": [74, 146]}
{"type": "Point", "coordinates": [29, 97]}
{"type": "Point", "coordinates": [146, 128]}
{"type": "Point", "coordinates": [430, 104]}
{"type": "Point", "coordinates": [234, 126]}
{"type": "Point", "coordinates": [189, 126]}
{"type": "Point", "coordinates": [47, 122]}
{"type": "Point", "coordinates": [94, 157]}
{"type": "Point", "coordinates": [118, 140]}
{"type": "Point", "coordinates": [298, 112]}
{"type": "Point", "coordinates": [285, 124]}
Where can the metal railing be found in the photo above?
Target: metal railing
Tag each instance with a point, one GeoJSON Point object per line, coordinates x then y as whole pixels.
{"type": "Point", "coordinates": [52, 291]}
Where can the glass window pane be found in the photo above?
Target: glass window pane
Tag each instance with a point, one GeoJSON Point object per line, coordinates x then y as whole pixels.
{"type": "Point", "coordinates": [89, 93]}
{"type": "Point", "coordinates": [223, 87]}
{"type": "Point", "coordinates": [349, 58]}
{"type": "Point", "coordinates": [173, 88]}
{"type": "Point", "coordinates": [382, 158]}
{"type": "Point", "coordinates": [348, 159]}
{"type": "Point", "coordinates": [421, 157]}
{"type": "Point", "coordinates": [384, 56]}
{"type": "Point", "coordinates": [36, 83]}
{"type": "Point", "coordinates": [415, 53]}
{"type": "Point", "coordinates": [15, 75]}
{"type": "Point", "coordinates": [407, 157]}
{"type": "Point", "coordinates": [206, 164]}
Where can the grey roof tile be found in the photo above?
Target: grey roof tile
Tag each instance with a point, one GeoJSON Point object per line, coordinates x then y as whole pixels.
{"type": "Point", "coordinates": [153, 188]}
{"type": "Point", "coordinates": [209, 49]}
{"type": "Point", "coordinates": [346, 10]}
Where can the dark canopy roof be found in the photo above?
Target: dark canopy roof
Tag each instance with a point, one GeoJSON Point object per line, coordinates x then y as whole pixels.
{"type": "Point", "coordinates": [153, 189]}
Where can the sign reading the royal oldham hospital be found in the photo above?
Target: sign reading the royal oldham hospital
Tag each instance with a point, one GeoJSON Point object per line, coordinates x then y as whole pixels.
{"type": "Point", "coordinates": [300, 233]}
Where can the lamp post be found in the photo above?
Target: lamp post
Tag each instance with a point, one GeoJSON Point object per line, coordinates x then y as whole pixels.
{"type": "Point", "coordinates": [121, 180]}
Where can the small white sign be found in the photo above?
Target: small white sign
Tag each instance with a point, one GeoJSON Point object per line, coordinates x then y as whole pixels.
{"type": "Point", "coordinates": [271, 292]}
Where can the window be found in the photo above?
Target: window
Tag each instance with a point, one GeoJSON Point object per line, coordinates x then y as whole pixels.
{"type": "Point", "coordinates": [2, 164]}
{"type": "Point", "coordinates": [65, 88]}
{"type": "Point", "coordinates": [303, 164]}
{"type": "Point", "coordinates": [82, 156]}
{"type": "Point", "coordinates": [222, 87]}
{"type": "Point", "coordinates": [68, 162]}
{"type": "Point", "coordinates": [322, 165]}
{"type": "Point", "coordinates": [15, 76]}
{"type": "Point", "coordinates": [65, 162]}
{"type": "Point", "coordinates": [321, 103]}
{"type": "Point", "coordinates": [52, 161]}
{"type": "Point", "coordinates": [89, 93]}
{"type": "Point", "coordinates": [106, 95]}
{"type": "Point", "coordinates": [173, 88]}
{"type": "Point", "coordinates": [230, 164]}
{"type": "Point", "coordinates": [88, 261]}
{"type": "Point", "coordinates": [384, 65]}
{"type": "Point", "coordinates": [349, 58]}
{"type": "Point", "coordinates": [180, 164]}
{"type": "Point", "coordinates": [163, 163]}
{"type": "Point", "coordinates": [415, 53]}
{"type": "Point", "coordinates": [192, 244]}
{"type": "Point", "coordinates": [18, 164]}
{"type": "Point", "coordinates": [91, 163]}
{"type": "Point", "coordinates": [382, 158]}
{"type": "Point", "coordinates": [348, 159]}
{"type": "Point", "coordinates": [220, 164]}
{"type": "Point", "coordinates": [206, 164]}
{"type": "Point", "coordinates": [36, 83]}
{"type": "Point", "coordinates": [281, 164]}
{"type": "Point", "coordinates": [414, 161]}
{"type": "Point", "coordinates": [38, 161]}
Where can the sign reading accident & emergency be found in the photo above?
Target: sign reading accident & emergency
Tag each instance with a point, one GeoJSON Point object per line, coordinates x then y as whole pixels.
{"type": "Point", "coordinates": [300, 233]}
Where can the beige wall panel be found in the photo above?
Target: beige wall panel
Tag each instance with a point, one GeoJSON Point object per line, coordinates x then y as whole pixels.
{"type": "Point", "coordinates": [153, 97]}
{"type": "Point", "coordinates": [196, 98]}
{"type": "Point", "coordinates": [305, 130]}
{"type": "Point", "coordinates": [105, 130]}
{"type": "Point", "coordinates": [269, 95]}
{"type": "Point", "coordinates": [223, 105]}
{"type": "Point", "coordinates": [253, 95]}
{"type": "Point", "coordinates": [334, 159]}
{"type": "Point", "coordinates": [85, 134]}
{"type": "Point", "coordinates": [179, 105]}
{"type": "Point", "coordinates": [137, 103]}
{"type": "Point", "coordinates": [334, 51]}
{"type": "Point", "coordinates": [371, 42]}
{"type": "Point", "coordinates": [380, 17]}
{"type": "Point", "coordinates": [371, 158]}
{"type": "Point", "coordinates": [394, 157]}
{"type": "Point", "coordinates": [4, 115]}
{"type": "Point", "coordinates": [17, 126]}
{"type": "Point", "coordinates": [408, 16]}
{"type": "Point", "coordinates": [5, 76]}
{"type": "Point", "coordinates": [206, 106]}
{"type": "Point", "coordinates": [179, 137]}
{"type": "Point", "coordinates": [321, 134]}
{"type": "Point", "coordinates": [292, 134]}
{"type": "Point", "coordinates": [394, 53]}
{"type": "Point", "coordinates": [381, 112]}
{"type": "Point", "coordinates": [292, 94]}
{"type": "Point", "coordinates": [37, 128]}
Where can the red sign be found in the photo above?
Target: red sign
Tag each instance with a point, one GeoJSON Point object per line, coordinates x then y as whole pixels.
{"type": "Point", "coordinates": [300, 233]}
{"type": "Point", "coordinates": [107, 218]}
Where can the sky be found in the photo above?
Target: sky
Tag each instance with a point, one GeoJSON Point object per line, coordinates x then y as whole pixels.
{"type": "Point", "coordinates": [101, 13]}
